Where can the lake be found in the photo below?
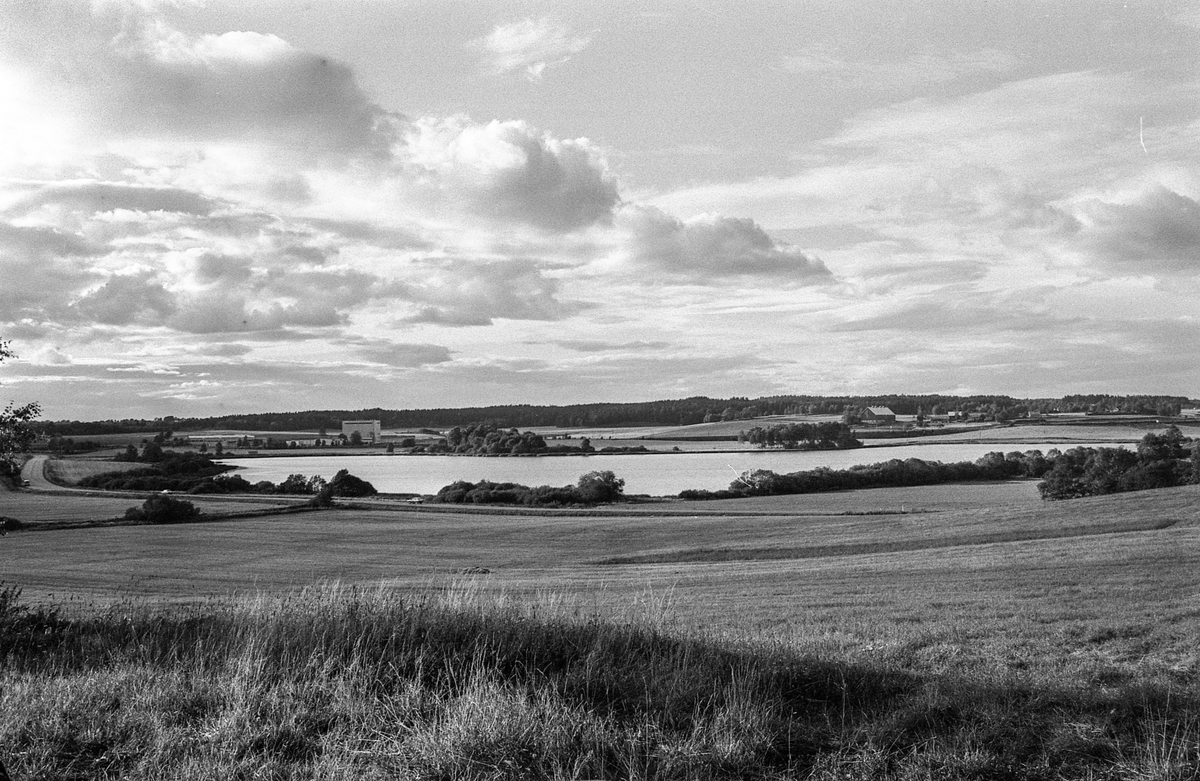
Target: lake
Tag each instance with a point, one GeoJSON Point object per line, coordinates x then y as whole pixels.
{"type": "Point", "coordinates": [663, 474]}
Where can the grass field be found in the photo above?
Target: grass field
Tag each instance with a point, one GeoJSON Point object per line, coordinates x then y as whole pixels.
{"type": "Point", "coordinates": [979, 633]}
{"type": "Point", "coordinates": [51, 504]}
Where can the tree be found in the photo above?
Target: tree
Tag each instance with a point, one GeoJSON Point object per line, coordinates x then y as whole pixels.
{"type": "Point", "coordinates": [346, 484]}
{"type": "Point", "coordinates": [356, 439]}
{"type": "Point", "coordinates": [603, 486]}
{"type": "Point", "coordinates": [16, 433]}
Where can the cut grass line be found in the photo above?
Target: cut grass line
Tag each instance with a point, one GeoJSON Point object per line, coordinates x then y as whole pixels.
{"type": "Point", "coordinates": [697, 555]}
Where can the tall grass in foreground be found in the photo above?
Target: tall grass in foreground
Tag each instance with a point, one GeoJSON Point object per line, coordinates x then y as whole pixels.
{"type": "Point", "coordinates": [342, 683]}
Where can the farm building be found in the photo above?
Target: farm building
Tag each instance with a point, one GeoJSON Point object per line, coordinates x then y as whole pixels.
{"type": "Point", "coordinates": [1189, 412]}
{"type": "Point", "coordinates": [879, 415]}
{"type": "Point", "coordinates": [369, 430]}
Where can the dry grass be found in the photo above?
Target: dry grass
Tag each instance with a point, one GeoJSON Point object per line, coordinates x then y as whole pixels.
{"type": "Point", "coordinates": [1066, 658]}
{"type": "Point", "coordinates": [456, 682]}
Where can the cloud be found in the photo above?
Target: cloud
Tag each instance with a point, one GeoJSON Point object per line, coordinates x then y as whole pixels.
{"type": "Point", "coordinates": [918, 71]}
{"type": "Point", "coordinates": [131, 74]}
{"type": "Point", "coordinates": [512, 172]}
{"type": "Point", "coordinates": [530, 47]}
{"type": "Point", "coordinates": [126, 299]}
{"type": "Point", "coordinates": [709, 247]}
{"type": "Point", "coordinates": [399, 354]}
{"type": "Point", "coordinates": [469, 293]}
{"type": "Point", "coordinates": [92, 197]}
{"type": "Point", "coordinates": [1156, 230]}
{"type": "Point", "coordinates": [598, 346]}
{"type": "Point", "coordinates": [221, 313]}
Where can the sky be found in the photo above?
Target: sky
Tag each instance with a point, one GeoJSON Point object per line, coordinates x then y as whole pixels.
{"type": "Point", "coordinates": [232, 207]}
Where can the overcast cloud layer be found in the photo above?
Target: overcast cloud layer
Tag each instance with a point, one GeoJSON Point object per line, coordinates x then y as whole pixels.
{"type": "Point", "coordinates": [208, 209]}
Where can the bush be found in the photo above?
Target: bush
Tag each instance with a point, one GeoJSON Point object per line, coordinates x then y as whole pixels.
{"type": "Point", "coordinates": [163, 509]}
{"type": "Point", "coordinates": [346, 484]}
{"type": "Point", "coordinates": [603, 486]}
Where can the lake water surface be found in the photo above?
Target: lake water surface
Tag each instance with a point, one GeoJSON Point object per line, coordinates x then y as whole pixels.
{"type": "Point", "coordinates": [663, 474]}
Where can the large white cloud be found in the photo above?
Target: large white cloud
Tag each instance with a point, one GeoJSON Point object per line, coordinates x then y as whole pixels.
{"type": "Point", "coordinates": [512, 172]}
{"type": "Point", "coordinates": [127, 73]}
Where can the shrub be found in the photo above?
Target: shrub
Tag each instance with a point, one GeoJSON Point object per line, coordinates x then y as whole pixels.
{"type": "Point", "coordinates": [346, 484]}
{"type": "Point", "coordinates": [602, 486]}
{"type": "Point", "coordinates": [163, 509]}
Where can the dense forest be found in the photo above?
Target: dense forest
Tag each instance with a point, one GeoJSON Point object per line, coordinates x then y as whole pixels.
{"type": "Point", "coordinates": [692, 410]}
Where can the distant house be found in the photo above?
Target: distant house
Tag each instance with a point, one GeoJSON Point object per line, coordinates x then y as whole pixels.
{"type": "Point", "coordinates": [879, 415]}
{"type": "Point", "coordinates": [1191, 412]}
{"type": "Point", "coordinates": [369, 430]}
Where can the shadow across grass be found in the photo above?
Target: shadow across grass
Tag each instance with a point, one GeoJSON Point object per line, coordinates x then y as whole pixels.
{"type": "Point", "coordinates": [343, 683]}
{"type": "Point", "coordinates": [707, 554]}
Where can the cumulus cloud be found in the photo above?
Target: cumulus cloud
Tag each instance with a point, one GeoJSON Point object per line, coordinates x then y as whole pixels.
{"type": "Point", "coordinates": [464, 293]}
{"type": "Point", "coordinates": [126, 299]}
{"type": "Point", "coordinates": [511, 171]}
{"type": "Point", "coordinates": [136, 76]}
{"type": "Point", "coordinates": [709, 247]}
{"type": "Point", "coordinates": [1153, 231]}
{"type": "Point", "coordinates": [530, 47]}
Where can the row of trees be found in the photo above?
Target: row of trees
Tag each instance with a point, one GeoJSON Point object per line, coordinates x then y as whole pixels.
{"type": "Point", "coordinates": [488, 439]}
{"type": "Point", "coordinates": [1160, 461]}
{"type": "Point", "coordinates": [592, 488]}
{"type": "Point", "coordinates": [894, 473]}
{"type": "Point", "coordinates": [695, 409]}
{"type": "Point", "coordinates": [802, 436]}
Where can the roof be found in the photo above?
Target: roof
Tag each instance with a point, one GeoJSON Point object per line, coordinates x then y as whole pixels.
{"type": "Point", "coordinates": [880, 411]}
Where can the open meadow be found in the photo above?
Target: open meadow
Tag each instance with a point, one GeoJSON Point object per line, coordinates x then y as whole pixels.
{"type": "Point", "coordinates": [956, 631]}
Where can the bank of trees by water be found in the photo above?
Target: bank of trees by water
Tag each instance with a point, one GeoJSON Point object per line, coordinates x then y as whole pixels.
{"type": "Point", "coordinates": [193, 473]}
{"type": "Point", "coordinates": [1160, 461]}
{"type": "Point", "coordinates": [600, 487]}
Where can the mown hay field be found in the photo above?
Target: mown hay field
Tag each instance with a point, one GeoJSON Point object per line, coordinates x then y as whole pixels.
{"type": "Point", "coordinates": [1124, 555]}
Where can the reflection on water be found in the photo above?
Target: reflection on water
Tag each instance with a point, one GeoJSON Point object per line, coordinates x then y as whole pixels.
{"type": "Point", "coordinates": [658, 475]}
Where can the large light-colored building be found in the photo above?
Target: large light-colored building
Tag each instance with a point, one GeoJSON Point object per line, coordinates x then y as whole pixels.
{"type": "Point", "coordinates": [369, 430]}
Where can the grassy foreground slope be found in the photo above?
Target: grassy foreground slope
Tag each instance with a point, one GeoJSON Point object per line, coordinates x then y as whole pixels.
{"type": "Point", "coordinates": [1070, 656]}
{"type": "Point", "coordinates": [350, 684]}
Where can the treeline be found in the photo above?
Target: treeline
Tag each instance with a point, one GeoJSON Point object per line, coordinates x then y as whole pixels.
{"type": "Point", "coordinates": [486, 439]}
{"type": "Point", "coordinates": [695, 409]}
{"type": "Point", "coordinates": [1161, 461]}
{"type": "Point", "coordinates": [893, 473]}
{"type": "Point", "coordinates": [802, 436]}
{"type": "Point", "coordinates": [164, 471]}
{"type": "Point", "coordinates": [592, 488]}
{"type": "Point", "coordinates": [193, 473]}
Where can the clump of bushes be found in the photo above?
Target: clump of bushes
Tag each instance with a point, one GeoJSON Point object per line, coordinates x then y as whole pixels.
{"type": "Point", "coordinates": [163, 509]}
{"type": "Point", "coordinates": [1161, 461]}
{"type": "Point", "coordinates": [592, 488]}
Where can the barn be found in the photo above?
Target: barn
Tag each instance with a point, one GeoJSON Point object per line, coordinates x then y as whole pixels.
{"type": "Point", "coordinates": [879, 415]}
